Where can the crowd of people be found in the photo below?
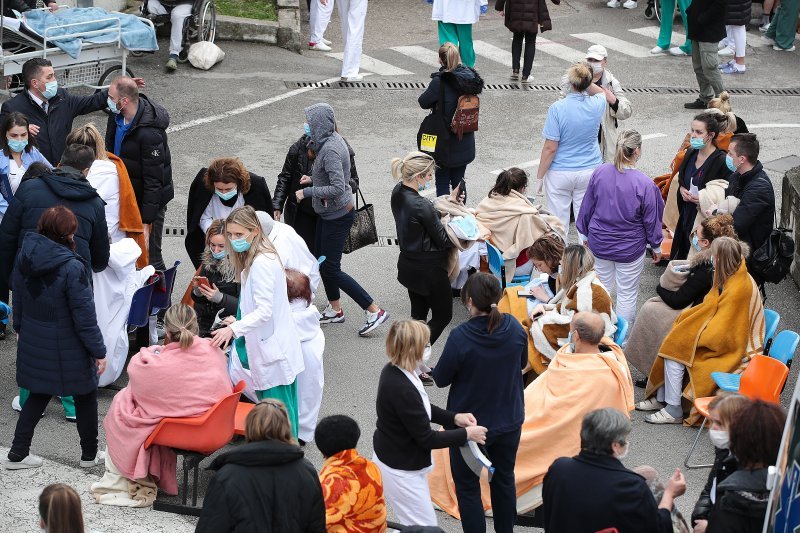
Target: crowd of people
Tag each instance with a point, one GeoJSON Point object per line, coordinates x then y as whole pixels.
{"type": "Point", "coordinates": [537, 382]}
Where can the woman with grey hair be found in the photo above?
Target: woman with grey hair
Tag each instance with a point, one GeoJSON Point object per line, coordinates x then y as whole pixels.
{"type": "Point", "coordinates": [618, 498]}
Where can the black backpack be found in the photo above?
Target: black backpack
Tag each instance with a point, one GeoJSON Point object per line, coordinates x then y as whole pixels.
{"type": "Point", "coordinates": [773, 259]}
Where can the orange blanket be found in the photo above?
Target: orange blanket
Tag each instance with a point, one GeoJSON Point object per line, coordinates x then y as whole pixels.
{"type": "Point", "coordinates": [353, 493]}
{"type": "Point", "coordinates": [721, 334]}
{"type": "Point", "coordinates": [130, 220]}
{"type": "Point", "coordinates": [555, 405]}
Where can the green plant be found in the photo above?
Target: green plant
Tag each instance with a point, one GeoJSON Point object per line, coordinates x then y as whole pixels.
{"type": "Point", "coordinates": [251, 9]}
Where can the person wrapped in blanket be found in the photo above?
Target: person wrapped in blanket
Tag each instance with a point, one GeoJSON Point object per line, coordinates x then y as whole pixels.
{"type": "Point", "coordinates": [220, 297]}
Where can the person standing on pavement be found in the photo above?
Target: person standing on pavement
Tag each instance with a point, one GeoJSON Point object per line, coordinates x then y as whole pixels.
{"type": "Point", "coordinates": [454, 19]}
{"type": "Point", "coordinates": [422, 266]}
{"type": "Point", "coordinates": [706, 28]}
{"type": "Point", "coordinates": [353, 16]}
{"type": "Point", "coordinates": [136, 130]}
{"type": "Point", "coordinates": [665, 31]}
{"type": "Point", "coordinates": [735, 42]}
{"type": "Point", "coordinates": [60, 351]}
{"type": "Point", "coordinates": [621, 214]}
{"type": "Point", "coordinates": [783, 28]}
{"type": "Point", "coordinates": [319, 16]}
{"type": "Point", "coordinates": [571, 152]}
{"type": "Point", "coordinates": [49, 109]}
{"type": "Point", "coordinates": [482, 363]}
{"type": "Point", "coordinates": [524, 19]}
{"type": "Point", "coordinates": [332, 199]}
{"type": "Point", "coordinates": [617, 109]}
{"type": "Point", "coordinates": [458, 81]}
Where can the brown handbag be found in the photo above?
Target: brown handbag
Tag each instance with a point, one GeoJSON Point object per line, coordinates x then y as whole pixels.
{"type": "Point", "coordinates": [465, 119]}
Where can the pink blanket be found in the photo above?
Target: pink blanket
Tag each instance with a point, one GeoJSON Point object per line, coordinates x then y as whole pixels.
{"type": "Point", "coordinates": [165, 381]}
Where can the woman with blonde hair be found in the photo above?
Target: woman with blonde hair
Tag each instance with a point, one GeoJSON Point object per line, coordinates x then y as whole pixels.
{"type": "Point", "coordinates": [264, 481]}
{"type": "Point", "coordinates": [183, 378]}
{"type": "Point", "coordinates": [266, 349]}
{"type": "Point", "coordinates": [571, 150]}
{"type": "Point", "coordinates": [220, 296]}
{"type": "Point", "coordinates": [721, 334]}
{"type": "Point", "coordinates": [620, 216]}
{"type": "Point", "coordinates": [403, 437]}
{"type": "Point", "coordinates": [422, 266]}
{"type": "Point", "coordinates": [452, 81]}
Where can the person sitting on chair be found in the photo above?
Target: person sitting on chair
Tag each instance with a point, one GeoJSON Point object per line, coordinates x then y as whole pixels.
{"type": "Point", "coordinates": [178, 11]}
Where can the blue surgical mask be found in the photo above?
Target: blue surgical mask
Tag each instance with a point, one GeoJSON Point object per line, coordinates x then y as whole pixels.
{"type": "Point", "coordinates": [240, 245]}
{"type": "Point", "coordinates": [218, 255]}
{"type": "Point", "coordinates": [112, 106]}
{"type": "Point", "coordinates": [697, 143]}
{"type": "Point", "coordinates": [569, 341]}
{"type": "Point", "coordinates": [17, 146]}
{"type": "Point", "coordinates": [227, 195]}
{"type": "Point", "coordinates": [50, 89]}
{"type": "Point", "coordinates": [307, 129]}
{"type": "Point", "coordinates": [696, 243]}
{"type": "Point", "coordinates": [729, 163]}
{"type": "Point", "coordinates": [422, 186]}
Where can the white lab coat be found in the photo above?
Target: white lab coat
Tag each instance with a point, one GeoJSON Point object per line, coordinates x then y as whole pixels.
{"type": "Point", "coordinates": [457, 11]}
{"type": "Point", "coordinates": [273, 348]}
{"type": "Point", "coordinates": [113, 292]}
{"type": "Point", "coordinates": [311, 381]}
{"type": "Point", "coordinates": [293, 250]}
{"type": "Point", "coordinates": [104, 178]}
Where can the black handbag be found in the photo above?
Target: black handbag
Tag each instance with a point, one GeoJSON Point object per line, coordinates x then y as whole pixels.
{"type": "Point", "coordinates": [434, 133]}
{"type": "Point", "coordinates": [773, 259]}
{"type": "Point", "coordinates": [363, 231]}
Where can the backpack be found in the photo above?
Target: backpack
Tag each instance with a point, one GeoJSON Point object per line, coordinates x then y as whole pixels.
{"type": "Point", "coordinates": [773, 259]}
{"type": "Point", "coordinates": [465, 119]}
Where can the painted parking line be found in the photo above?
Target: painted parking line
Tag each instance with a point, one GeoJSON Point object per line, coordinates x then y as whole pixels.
{"type": "Point", "coordinates": [612, 43]}
{"type": "Point", "coordinates": [419, 53]}
{"type": "Point", "coordinates": [376, 66]}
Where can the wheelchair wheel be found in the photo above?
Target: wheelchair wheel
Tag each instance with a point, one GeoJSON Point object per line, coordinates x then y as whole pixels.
{"type": "Point", "coordinates": [657, 9]}
{"type": "Point", "coordinates": [650, 11]}
{"type": "Point", "coordinates": [207, 21]}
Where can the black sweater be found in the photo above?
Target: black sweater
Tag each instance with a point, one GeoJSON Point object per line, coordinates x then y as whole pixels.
{"type": "Point", "coordinates": [693, 290]}
{"type": "Point", "coordinates": [403, 436]}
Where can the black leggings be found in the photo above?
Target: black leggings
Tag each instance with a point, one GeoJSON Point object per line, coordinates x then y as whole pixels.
{"type": "Point", "coordinates": [516, 51]}
{"type": "Point", "coordinates": [439, 301]}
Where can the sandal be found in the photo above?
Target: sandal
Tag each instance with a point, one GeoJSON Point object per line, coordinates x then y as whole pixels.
{"type": "Point", "coordinates": [662, 417]}
{"type": "Point", "coordinates": [649, 405]}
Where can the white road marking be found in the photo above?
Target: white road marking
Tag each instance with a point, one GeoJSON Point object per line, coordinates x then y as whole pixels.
{"type": "Point", "coordinates": [770, 126]}
{"type": "Point", "coordinates": [492, 52]}
{"type": "Point", "coordinates": [612, 43]}
{"type": "Point", "coordinates": [558, 50]}
{"type": "Point", "coordinates": [370, 64]}
{"type": "Point", "coordinates": [652, 136]}
{"type": "Point", "coordinates": [420, 53]}
{"type": "Point", "coordinates": [678, 38]}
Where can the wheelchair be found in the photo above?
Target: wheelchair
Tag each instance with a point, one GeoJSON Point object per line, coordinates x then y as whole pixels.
{"type": "Point", "coordinates": [201, 25]}
{"type": "Point", "coordinates": [653, 10]}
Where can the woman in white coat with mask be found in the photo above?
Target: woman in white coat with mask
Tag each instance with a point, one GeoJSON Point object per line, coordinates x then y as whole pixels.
{"type": "Point", "coordinates": [265, 341]}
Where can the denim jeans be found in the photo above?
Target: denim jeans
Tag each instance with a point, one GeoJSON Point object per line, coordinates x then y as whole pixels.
{"type": "Point", "coordinates": [447, 177]}
{"type": "Point", "coordinates": [502, 452]}
{"type": "Point", "coordinates": [331, 235]}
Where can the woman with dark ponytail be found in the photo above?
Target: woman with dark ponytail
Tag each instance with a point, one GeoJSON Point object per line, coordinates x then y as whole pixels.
{"type": "Point", "coordinates": [60, 509]}
{"type": "Point", "coordinates": [482, 362]}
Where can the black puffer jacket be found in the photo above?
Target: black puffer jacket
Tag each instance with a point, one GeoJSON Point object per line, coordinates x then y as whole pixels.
{"type": "Point", "coordinates": [60, 186]}
{"type": "Point", "coordinates": [263, 487]}
{"type": "Point", "coordinates": [463, 80]}
{"type": "Point", "coordinates": [55, 318]}
{"type": "Point", "coordinates": [706, 20]}
{"type": "Point", "coordinates": [754, 216]}
{"type": "Point", "coordinates": [738, 12]}
{"type": "Point", "coordinates": [220, 274]}
{"type": "Point", "coordinates": [145, 153]}
{"type": "Point", "coordinates": [724, 465]}
{"type": "Point", "coordinates": [741, 503]}
{"type": "Point", "coordinates": [297, 165]}
{"type": "Point", "coordinates": [526, 15]}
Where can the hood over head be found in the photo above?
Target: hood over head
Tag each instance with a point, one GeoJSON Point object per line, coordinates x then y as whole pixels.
{"type": "Point", "coordinates": [40, 256]}
{"type": "Point", "coordinates": [261, 453]}
{"type": "Point", "coordinates": [322, 121]}
{"type": "Point", "coordinates": [68, 183]}
{"type": "Point", "coordinates": [151, 114]}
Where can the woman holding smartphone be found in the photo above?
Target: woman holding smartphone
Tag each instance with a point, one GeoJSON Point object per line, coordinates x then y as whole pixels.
{"type": "Point", "coordinates": [215, 287]}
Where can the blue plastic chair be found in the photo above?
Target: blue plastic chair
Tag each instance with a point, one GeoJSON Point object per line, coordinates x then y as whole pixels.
{"type": "Point", "coordinates": [783, 349]}
{"type": "Point", "coordinates": [161, 300]}
{"type": "Point", "coordinates": [139, 314]}
{"type": "Point", "coordinates": [498, 268]}
{"type": "Point", "coordinates": [622, 331]}
{"type": "Point", "coordinates": [771, 321]}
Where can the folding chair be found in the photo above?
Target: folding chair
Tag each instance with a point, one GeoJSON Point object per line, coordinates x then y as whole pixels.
{"type": "Point", "coordinates": [498, 268]}
{"type": "Point", "coordinates": [622, 331]}
{"type": "Point", "coordinates": [763, 379]}
{"type": "Point", "coordinates": [139, 314]}
{"type": "Point", "coordinates": [161, 299]}
{"type": "Point", "coordinates": [195, 439]}
{"type": "Point", "coordinates": [771, 321]}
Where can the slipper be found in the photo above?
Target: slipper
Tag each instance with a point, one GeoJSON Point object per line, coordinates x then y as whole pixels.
{"type": "Point", "coordinates": [649, 405]}
{"type": "Point", "coordinates": [662, 417]}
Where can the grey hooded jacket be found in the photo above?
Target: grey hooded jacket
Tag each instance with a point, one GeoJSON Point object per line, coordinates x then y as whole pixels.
{"type": "Point", "coordinates": [330, 192]}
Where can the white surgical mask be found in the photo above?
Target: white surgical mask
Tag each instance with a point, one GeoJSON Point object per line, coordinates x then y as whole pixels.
{"type": "Point", "coordinates": [719, 438]}
{"type": "Point", "coordinates": [597, 68]}
{"type": "Point", "coordinates": [426, 353]}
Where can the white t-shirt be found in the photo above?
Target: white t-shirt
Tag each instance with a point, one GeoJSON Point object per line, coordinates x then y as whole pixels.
{"type": "Point", "coordinates": [216, 210]}
{"type": "Point", "coordinates": [15, 174]}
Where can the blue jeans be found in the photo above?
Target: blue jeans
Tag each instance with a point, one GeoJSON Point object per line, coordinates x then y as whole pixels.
{"type": "Point", "coordinates": [447, 177]}
{"type": "Point", "coordinates": [331, 235]}
{"type": "Point", "coordinates": [502, 452]}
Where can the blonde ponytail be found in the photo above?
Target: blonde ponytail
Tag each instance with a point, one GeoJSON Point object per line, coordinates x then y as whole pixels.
{"type": "Point", "coordinates": [412, 165]}
{"type": "Point", "coordinates": [180, 323]}
{"type": "Point", "coordinates": [449, 56]}
{"type": "Point", "coordinates": [627, 143]}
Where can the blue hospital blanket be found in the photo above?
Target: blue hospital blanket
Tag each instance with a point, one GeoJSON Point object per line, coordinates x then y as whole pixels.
{"type": "Point", "coordinates": [136, 34]}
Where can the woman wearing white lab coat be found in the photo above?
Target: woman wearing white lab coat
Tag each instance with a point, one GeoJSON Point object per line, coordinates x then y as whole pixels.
{"type": "Point", "coordinates": [265, 341]}
{"type": "Point", "coordinates": [455, 19]}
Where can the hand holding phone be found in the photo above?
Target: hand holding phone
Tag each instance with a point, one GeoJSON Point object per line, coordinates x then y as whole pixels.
{"type": "Point", "coordinates": [202, 281]}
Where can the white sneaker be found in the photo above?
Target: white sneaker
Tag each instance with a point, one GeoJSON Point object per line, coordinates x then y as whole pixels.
{"type": "Point", "coordinates": [528, 80]}
{"type": "Point", "coordinates": [630, 4]}
{"type": "Point", "coordinates": [15, 405]}
{"type": "Point", "coordinates": [764, 27]}
{"type": "Point", "coordinates": [613, 3]}
{"type": "Point", "coordinates": [31, 461]}
{"type": "Point", "coordinates": [658, 50]}
{"type": "Point", "coordinates": [677, 52]}
{"type": "Point", "coordinates": [356, 77]}
{"type": "Point", "coordinates": [99, 459]}
{"type": "Point", "coordinates": [725, 64]}
{"type": "Point", "coordinates": [320, 47]}
{"type": "Point", "coordinates": [372, 321]}
{"type": "Point", "coordinates": [779, 49]}
{"type": "Point", "coordinates": [326, 41]}
{"type": "Point", "coordinates": [727, 51]}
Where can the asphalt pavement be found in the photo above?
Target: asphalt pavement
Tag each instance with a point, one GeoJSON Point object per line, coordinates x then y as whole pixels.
{"type": "Point", "coordinates": [248, 106]}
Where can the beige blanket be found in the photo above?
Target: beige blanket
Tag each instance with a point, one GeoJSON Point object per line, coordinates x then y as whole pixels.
{"type": "Point", "coordinates": [117, 490]}
{"type": "Point", "coordinates": [447, 209]}
{"type": "Point", "coordinates": [712, 197]}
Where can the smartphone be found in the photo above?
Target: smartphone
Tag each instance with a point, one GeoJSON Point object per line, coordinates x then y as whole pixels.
{"type": "Point", "coordinates": [202, 280]}
{"type": "Point", "coordinates": [525, 294]}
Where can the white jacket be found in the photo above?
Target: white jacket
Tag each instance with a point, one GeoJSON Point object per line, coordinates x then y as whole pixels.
{"type": "Point", "coordinates": [610, 123]}
{"type": "Point", "coordinates": [104, 178]}
{"type": "Point", "coordinates": [273, 348]}
{"type": "Point", "coordinates": [310, 382]}
{"type": "Point", "coordinates": [293, 250]}
{"type": "Point", "coordinates": [457, 11]}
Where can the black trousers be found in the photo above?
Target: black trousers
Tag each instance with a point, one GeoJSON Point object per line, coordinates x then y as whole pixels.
{"type": "Point", "coordinates": [516, 52]}
{"type": "Point", "coordinates": [502, 452]}
{"type": "Point", "coordinates": [306, 226]}
{"type": "Point", "coordinates": [450, 177]}
{"type": "Point", "coordinates": [85, 413]}
{"type": "Point", "coordinates": [154, 243]}
{"type": "Point", "coordinates": [438, 300]}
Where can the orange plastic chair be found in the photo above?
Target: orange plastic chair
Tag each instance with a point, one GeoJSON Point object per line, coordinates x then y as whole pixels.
{"type": "Point", "coordinates": [195, 439]}
{"type": "Point", "coordinates": [763, 379]}
{"type": "Point", "coordinates": [242, 410]}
